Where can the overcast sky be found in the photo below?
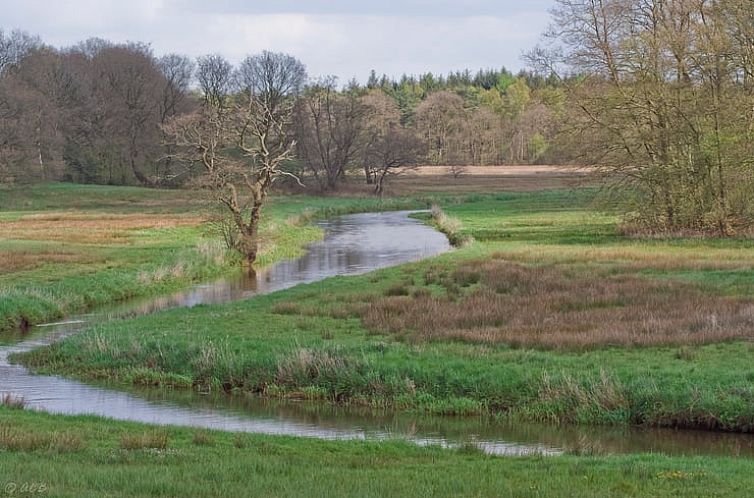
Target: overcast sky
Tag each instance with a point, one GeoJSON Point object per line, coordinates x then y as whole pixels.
{"type": "Point", "coordinates": [340, 37]}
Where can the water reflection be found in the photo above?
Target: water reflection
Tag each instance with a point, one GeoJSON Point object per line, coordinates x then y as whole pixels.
{"type": "Point", "coordinates": [353, 244]}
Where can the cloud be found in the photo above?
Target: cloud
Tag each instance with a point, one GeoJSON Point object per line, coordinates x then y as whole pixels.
{"type": "Point", "coordinates": [344, 38]}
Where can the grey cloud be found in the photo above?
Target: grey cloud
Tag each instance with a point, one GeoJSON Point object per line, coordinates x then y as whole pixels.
{"type": "Point", "coordinates": [345, 38]}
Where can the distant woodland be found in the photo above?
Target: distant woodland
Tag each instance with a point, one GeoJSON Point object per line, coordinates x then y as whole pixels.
{"type": "Point", "coordinates": [655, 95]}
{"type": "Point", "coordinates": [96, 112]}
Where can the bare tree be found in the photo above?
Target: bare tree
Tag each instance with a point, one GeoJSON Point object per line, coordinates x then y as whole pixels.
{"type": "Point", "coordinates": [215, 76]}
{"type": "Point", "coordinates": [390, 148]}
{"type": "Point", "coordinates": [178, 71]}
{"type": "Point", "coordinates": [382, 114]}
{"type": "Point", "coordinates": [328, 131]}
{"type": "Point", "coordinates": [439, 119]}
{"type": "Point", "coordinates": [131, 93]}
{"type": "Point", "coordinates": [14, 46]}
{"type": "Point", "coordinates": [391, 154]}
{"type": "Point", "coordinates": [243, 143]}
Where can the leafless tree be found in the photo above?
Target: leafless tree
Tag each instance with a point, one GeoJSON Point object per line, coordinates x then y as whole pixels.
{"type": "Point", "coordinates": [382, 114]}
{"type": "Point", "coordinates": [14, 46]}
{"type": "Point", "coordinates": [215, 76]}
{"type": "Point", "coordinates": [390, 148]}
{"type": "Point", "coordinates": [178, 71]}
{"type": "Point", "coordinates": [243, 143]}
{"type": "Point", "coordinates": [391, 154]}
{"type": "Point", "coordinates": [439, 119]}
{"type": "Point", "coordinates": [328, 130]}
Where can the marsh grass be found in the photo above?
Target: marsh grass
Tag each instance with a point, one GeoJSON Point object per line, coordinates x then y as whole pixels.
{"type": "Point", "coordinates": [450, 226]}
{"type": "Point", "coordinates": [90, 246]}
{"type": "Point", "coordinates": [550, 315]}
{"type": "Point", "coordinates": [495, 301]}
{"type": "Point", "coordinates": [304, 365]}
{"type": "Point", "coordinates": [203, 438]}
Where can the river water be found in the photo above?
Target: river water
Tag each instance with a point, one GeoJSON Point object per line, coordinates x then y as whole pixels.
{"type": "Point", "coordinates": [352, 245]}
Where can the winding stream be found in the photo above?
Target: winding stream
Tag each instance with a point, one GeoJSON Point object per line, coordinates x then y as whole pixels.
{"type": "Point", "coordinates": [352, 245]}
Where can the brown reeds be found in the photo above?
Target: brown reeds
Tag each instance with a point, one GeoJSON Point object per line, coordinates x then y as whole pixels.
{"type": "Point", "coordinates": [496, 301]}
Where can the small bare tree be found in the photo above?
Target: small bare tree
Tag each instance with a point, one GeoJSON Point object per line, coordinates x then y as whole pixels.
{"type": "Point", "coordinates": [242, 140]}
{"type": "Point", "coordinates": [392, 154]}
{"type": "Point", "coordinates": [328, 131]}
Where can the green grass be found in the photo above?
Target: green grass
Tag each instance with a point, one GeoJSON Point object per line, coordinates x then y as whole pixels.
{"type": "Point", "coordinates": [88, 457]}
{"type": "Point", "coordinates": [312, 341]}
{"type": "Point", "coordinates": [78, 257]}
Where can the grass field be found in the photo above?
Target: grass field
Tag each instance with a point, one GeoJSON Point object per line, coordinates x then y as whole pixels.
{"type": "Point", "coordinates": [56, 456]}
{"type": "Point", "coordinates": [550, 315]}
{"type": "Point", "coordinates": [67, 248]}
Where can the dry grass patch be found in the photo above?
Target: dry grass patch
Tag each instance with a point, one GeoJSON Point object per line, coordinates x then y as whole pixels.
{"type": "Point", "coordinates": [10, 400]}
{"type": "Point", "coordinates": [310, 364]}
{"type": "Point", "coordinates": [156, 440]}
{"type": "Point", "coordinates": [89, 228]}
{"type": "Point", "coordinates": [505, 178]}
{"type": "Point", "coordinates": [12, 439]}
{"type": "Point", "coordinates": [18, 260]}
{"type": "Point", "coordinates": [203, 438]}
{"type": "Point", "coordinates": [495, 301]}
{"type": "Point", "coordinates": [635, 258]}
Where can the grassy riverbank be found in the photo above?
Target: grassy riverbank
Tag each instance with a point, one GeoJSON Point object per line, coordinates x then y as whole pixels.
{"type": "Point", "coordinates": [550, 315]}
{"type": "Point", "coordinates": [67, 248]}
{"type": "Point", "coordinates": [88, 457]}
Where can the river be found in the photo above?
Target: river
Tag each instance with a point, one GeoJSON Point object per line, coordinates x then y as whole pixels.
{"type": "Point", "coordinates": [353, 244]}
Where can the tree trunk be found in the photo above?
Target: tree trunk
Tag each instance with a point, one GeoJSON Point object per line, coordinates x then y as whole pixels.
{"type": "Point", "coordinates": [368, 175]}
{"type": "Point", "coordinates": [250, 234]}
{"type": "Point", "coordinates": [249, 246]}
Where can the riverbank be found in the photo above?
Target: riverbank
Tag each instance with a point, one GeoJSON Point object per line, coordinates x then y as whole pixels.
{"type": "Point", "coordinates": [550, 316]}
{"type": "Point", "coordinates": [88, 457]}
{"type": "Point", "coordinates": [69, 248]}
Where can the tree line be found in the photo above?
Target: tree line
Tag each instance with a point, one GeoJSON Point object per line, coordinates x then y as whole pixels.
{"type": "Point", "coordinates": [97, 112]}
{"type": "Point", "coordinates": [657, 96]}
{"type": "Point", "coordinates": [663, 105]}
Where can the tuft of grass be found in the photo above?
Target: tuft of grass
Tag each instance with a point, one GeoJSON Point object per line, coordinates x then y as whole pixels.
{"type": "Point", "coordinates": [450, 226]}
{"type": "Point", "coordinates": [203, 438]}
{"type": "Point", "coordinates": [147, 440]}
{"type": "Point", "coordinates": [12, 439]}
{"type": "Point", "coordinates": [398, 290]}
{"type": "Point", "coordinates": [241, 440]}
{"type": "Point", "coordinates": [12, 401]}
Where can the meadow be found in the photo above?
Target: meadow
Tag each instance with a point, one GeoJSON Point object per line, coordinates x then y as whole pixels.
{"type": "Point", "coordinates": [547, 311]}
{"type": "Point", "coordinates": [551, 315]}
{"type": "Point", "coordinates": [67, 248]}
{"type": "Point", "coordinates": [47, 455]}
